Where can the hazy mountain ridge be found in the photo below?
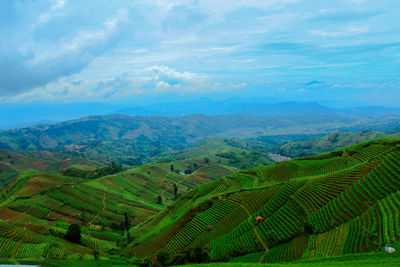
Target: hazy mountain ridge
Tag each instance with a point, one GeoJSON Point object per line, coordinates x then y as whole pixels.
{"type": "Point", "coordinates": [27, 115]}
{"type": "Point", "coordinates": [145, 137]}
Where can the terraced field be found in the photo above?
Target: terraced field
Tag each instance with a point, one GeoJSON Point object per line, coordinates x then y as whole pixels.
{"type": "Point", "coordinates": [345, 202]}
{"type": "Point", "coordinates": [35, 203]}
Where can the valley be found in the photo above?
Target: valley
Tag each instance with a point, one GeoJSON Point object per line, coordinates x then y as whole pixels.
{"type": "Point", "coordinates": [223, 195]}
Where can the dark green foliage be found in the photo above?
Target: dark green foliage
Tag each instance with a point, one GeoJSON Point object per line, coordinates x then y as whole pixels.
{"type": "Point", "coordinates": [175, 190]}
{"type": "Point", "coordinates": [112, 168]}
{"type": "Point", "coordinates": [163, 258]}
{"type": "Point", "coordinates": [127, 222]}
{"type": "Point", "coordinates": [159, 200]}
{"type": "Point", "coordinates": [74, 233]}
{"type": "Point", "coordinates": [192, 255]}
{"type": "Point", "coordinates": [172, 168]}
{"type": "Point", "coordinates": [96, 254]}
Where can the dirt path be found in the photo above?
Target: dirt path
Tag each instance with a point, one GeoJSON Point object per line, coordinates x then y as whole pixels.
{"type": "Point", "coordinates": [257, 234]}
{"type": "Point", "coordinates": [102, 210]}
{"type": "Point", "coordinates": [260, 260]}
{"type": "Point", "coordinates": [347, 154]}
{"type": "Point", "coordinates": [178, 183]}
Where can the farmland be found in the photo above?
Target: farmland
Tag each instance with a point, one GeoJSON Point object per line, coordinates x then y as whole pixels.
{"type": "Point", "coordinates": [342, 203]}
{"type": "Point", "coordinates": [37, 207]}
{"type": "Point", "coordinates": [305, 210]}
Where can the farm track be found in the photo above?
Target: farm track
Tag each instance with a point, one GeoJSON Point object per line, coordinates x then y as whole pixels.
{"type": "Point", "coordinates": [260, 260]}
{"type": "Point", "coordinates": [102, 210]}
{"type": "Point", "coordinates": [257, 234]}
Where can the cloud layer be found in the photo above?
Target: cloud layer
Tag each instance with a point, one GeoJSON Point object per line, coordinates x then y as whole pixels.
{"type": "Point", "coordinates": [64, 50]}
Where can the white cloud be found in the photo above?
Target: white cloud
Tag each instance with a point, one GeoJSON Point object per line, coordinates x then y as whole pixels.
{"type": "Point", "coordinates": [155, 79]}
{"type": "Point", "coordinates": [161, 71]}
{"type": "Point", "coordinates": [83, 39]}
{"type": "Point", "coordinates": [45, 17]}
{"type": "Point", "coordinates": [348, 31]}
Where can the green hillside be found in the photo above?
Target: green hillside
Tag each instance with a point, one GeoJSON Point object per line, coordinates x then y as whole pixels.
{"type": "Point", "coordinates": [233, 152]}
{"type": "Point", "coordinates": [345, 202]}
{"type": "Point", "coordinates": [327, 143]}
{"type": "Point", "coordinates": [134, 140]}
{"type": "Point", "coordinates": [37, 207]}
{"type": "Point", "coordinates": [14, 163]}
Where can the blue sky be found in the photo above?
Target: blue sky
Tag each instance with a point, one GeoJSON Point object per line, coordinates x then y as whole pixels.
{"type": "Point", "coordinates": [66, 51]}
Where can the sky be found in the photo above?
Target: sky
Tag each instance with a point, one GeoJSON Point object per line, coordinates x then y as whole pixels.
{"type": "Point", "coordinates": [144, 51]}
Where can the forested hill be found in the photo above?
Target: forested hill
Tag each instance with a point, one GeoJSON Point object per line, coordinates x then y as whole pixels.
{"type": "Point", "coordinates": [327, 143]}
{"type": "Point", "coordinates": [143, 137]}
{"type": "Point", "coordinates": [344, 202]}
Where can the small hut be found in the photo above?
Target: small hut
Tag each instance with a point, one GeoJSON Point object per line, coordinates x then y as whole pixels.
{"type": "Point", "coordinates": [259, 219]}
{"type": "Point", "coordinates": [210, 227]}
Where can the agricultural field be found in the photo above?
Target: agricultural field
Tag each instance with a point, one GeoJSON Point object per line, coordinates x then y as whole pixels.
{"type": "Point", "coordinates": [343, 203]}
{"type": "Point", "coordinates": [14, 163]}
{"type": "Point", "coordinates": [37, 207]}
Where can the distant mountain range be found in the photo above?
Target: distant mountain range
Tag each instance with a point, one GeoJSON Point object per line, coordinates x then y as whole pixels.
{"type": "Point", "coordinates": [24, 115]}
{"type": "Point", "coordinates": [159, 131]}
{"type": "Point", "coordinates": [254, 107]}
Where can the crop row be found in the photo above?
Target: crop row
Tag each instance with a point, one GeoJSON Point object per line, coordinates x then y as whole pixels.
{"type": "Point", "coordinates": [324, 166]}
{"type": "Point", "coordinates": [326, 244]}
{"type": "Point", "coordinates": [246, 204]}
{"type": "Point", "coordinates": [319, 191]}
{"type": "Point", "coordinates": [281, 222]}
{"type": "Point", "coordinates": [19, 233]}
{"type": "Point", "coordinates": [374, 186]}
{"type": "Point", "coordinates": [287, 252]}
{"type": "Point", "coordinates": [198, 224]}
{"type": "Point", "coordinates": [372, 151]}
{"type": "Point", "coordinates": [285, 223]}
{"type": "Point", "coordinates": [246, 243]}
{"type": "Point", "coordinates": [374, 228]}
{"type": "Point", "coordinates": [17, 249]}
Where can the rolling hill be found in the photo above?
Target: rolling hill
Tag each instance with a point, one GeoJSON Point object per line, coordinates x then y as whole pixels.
{"type": "Point", "coordinates": [344, 202]}
{"type": "Point", "coordinates": [14, 163]}
{"type": "Point", "coordinates": [338, 204]}
{"type": "Point", "coordinates": [37, 207]}
{"type": "Point", "coordinates": [327, 143]}
{"type": "Point", "coordinates": [135, 140]}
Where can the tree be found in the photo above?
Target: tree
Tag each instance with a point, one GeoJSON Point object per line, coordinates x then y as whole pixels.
{"type": "Point", "coordinates": [175, 190]}
{"type": "Point", "coordinates": [159, 200]}
{"type": "Point", "coordinates": [127, 222]}
{"type": "Point", "coordinates": [74, 233]}
{"type": "Point", "coordinates": [163, 258]}
{"type": "Point", "coordinates": [172, 168]}
{"type": "Point", "coordinates": [96, 254]}
{"type": "Point", "coordinates": [206, 160]}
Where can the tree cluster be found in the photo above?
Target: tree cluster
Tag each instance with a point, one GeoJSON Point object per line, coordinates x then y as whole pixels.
{"type": "Point", "coordinates": [191, 255]}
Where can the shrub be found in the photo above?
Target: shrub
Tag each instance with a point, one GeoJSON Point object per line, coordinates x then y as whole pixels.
{"type": "Point", "coordinates": [74, 233]}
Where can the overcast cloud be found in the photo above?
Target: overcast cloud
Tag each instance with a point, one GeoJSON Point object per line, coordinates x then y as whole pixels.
{"type": "Point", "coordinates": [69, 50]}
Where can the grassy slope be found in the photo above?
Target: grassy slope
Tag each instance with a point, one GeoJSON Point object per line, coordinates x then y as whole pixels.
{"type": "Point", "coordinates": [313, 207]}
{"type": "Point", "coordinates": [14, 163]}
